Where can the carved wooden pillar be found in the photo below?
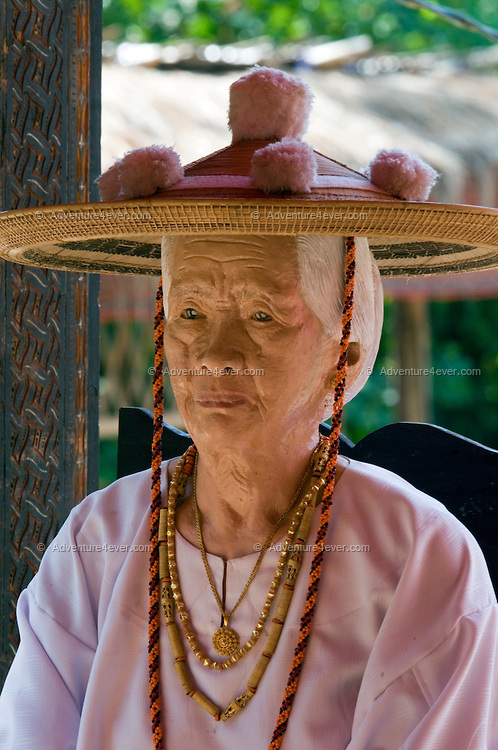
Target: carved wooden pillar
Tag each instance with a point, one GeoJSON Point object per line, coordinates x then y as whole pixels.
{"type": "Point", "coordinates": [49, 154]}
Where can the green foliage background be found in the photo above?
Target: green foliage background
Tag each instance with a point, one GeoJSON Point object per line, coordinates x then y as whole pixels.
{"type": "Point", "coordinates": [392, 26]}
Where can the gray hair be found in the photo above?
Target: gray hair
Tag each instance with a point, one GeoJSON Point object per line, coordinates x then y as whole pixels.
{"type": "Point", "coordinates": [321, 269]}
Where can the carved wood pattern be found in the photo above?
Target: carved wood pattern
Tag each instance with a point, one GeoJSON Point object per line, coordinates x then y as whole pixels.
{"type": "Point", "coordinates": [36, 63]}
{"type": "Point", "coordinates": [45, 154]}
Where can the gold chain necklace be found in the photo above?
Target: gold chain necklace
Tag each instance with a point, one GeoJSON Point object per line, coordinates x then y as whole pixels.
{"type": "Point", "coordinates": [170, 591]}
{"type": "Point", "coordinates": [226, 640]}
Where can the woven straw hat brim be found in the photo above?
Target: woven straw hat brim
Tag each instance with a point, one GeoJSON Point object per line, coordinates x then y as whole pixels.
{"type": "Point", "coordinates": [217, 197]}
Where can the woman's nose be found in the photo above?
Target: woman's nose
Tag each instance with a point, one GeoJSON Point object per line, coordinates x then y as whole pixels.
{"type": "Point", "coordinates": [224, 347]}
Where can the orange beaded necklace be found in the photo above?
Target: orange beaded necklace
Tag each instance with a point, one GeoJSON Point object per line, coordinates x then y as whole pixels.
{"type": "Point", "coordinates": [316, 565]}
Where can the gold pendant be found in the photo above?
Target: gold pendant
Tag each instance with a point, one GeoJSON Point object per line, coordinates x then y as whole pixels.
{"type": "Point", "coordinates": [225, 639]}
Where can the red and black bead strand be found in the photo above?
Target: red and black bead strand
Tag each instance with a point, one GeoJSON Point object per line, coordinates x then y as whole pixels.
{"type": "Point", "coordinates": [154, 604]}
{"type": "Point", "coordinates": [316, 565]}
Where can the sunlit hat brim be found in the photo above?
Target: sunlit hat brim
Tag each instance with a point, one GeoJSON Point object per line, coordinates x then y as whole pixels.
{"type": "Point", "coordinates": [217, 197]}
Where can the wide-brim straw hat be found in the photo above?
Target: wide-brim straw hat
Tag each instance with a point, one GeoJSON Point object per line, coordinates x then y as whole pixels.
{"type": "Point", "coordinates": [266, 182]}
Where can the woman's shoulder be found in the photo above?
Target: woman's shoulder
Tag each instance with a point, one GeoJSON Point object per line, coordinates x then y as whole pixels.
{"type": "Point", "coordinates": [117, 510]}
{"type": "Point", "coordinates": [379, 491]}
{"type": "Point", "coordinates": [403, 524]}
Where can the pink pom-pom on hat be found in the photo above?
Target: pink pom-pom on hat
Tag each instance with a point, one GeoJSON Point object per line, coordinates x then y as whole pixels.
{"type": "Point", "coordinates": [402, 174]}
{"type": "Point", "coordinates": [288, 164]}
{"type": "Point", "coordinates": [141, 173]}
{"type": "Point", "coordinates": [267, 104]}
{"type": "Point", "coordinates": [109, 183]}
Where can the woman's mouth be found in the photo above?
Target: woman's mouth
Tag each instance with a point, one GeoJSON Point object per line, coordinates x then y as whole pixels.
{"type": "Point", "coordinates": [221, 399]}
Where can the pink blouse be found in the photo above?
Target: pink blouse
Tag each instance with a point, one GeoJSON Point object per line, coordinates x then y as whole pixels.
{"type": "Point", "coordinates": [403, 652]}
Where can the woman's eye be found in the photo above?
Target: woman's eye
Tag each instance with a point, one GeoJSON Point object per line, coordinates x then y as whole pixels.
{"type": "Point", "coordinates": [262, 317]}
{"type": "Point", "coordinates": [190, 313]}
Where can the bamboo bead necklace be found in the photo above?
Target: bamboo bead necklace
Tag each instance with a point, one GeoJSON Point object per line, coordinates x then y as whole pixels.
{"type": "Point", "coordinates": [170, 592]}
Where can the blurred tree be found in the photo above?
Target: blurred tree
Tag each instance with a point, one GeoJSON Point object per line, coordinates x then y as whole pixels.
{"type": "Point", "coordinates": [464, 339]}
{"type": "Point", "coordinates": [393, 27]}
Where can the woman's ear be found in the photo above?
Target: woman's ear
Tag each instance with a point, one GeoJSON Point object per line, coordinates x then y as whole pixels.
{"type": "Point", "coordinates": [354, 352]}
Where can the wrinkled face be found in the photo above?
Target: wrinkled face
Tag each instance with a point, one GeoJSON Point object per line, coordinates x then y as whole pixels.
{"type": "Point", "coordinates": [245, 353]}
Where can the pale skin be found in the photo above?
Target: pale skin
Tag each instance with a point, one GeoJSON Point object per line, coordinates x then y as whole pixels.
{"type": "Point", "coordinates": [235, 306]}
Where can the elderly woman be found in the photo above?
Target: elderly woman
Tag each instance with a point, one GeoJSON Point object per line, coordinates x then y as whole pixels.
{"type": "Point", "coordinates": [265, 605]}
